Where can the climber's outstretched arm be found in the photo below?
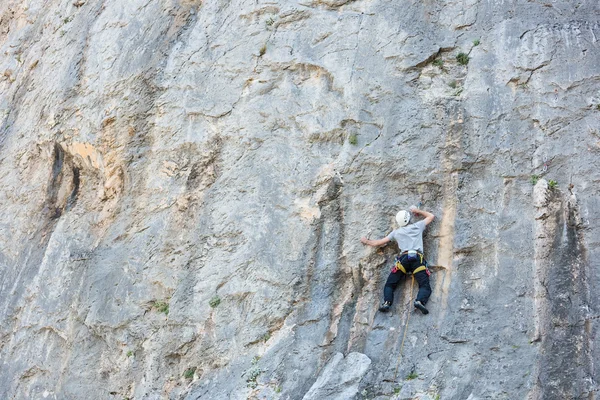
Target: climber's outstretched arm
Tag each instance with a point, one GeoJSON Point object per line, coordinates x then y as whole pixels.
{"type": "Point", "coordinates": [375, 243]}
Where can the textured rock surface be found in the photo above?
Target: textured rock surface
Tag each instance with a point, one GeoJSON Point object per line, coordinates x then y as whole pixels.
{"type": "Point", "coordinates": [183, 187]}
{"type": "Point", "coordinates": [340, 377]}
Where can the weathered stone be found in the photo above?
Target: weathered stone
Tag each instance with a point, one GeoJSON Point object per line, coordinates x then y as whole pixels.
{"type": "Point", "coordinates": [340, 377]}
{"type": "Point", "coordinates": [156, 156]}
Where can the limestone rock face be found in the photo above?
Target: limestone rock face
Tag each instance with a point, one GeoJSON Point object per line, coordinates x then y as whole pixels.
{"type": "Point", "coordinates": [184, 185]}
{"type": "Point", "coordinates": [340, 377]}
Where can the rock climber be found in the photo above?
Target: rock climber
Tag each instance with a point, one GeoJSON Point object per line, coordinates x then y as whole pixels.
{"type": "Point", "coordinates": [409, 238]}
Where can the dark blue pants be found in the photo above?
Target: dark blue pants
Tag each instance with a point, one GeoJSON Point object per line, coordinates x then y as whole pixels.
{"type": "Point", "coordinates": [395, 278]}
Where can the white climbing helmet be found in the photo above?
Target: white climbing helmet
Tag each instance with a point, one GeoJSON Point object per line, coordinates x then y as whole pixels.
{"type": "Point", "coordinates": [402, 218]}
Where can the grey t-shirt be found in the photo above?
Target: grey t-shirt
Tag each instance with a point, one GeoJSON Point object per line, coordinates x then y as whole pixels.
{"type": "Point", "coordinates": [409, 237]}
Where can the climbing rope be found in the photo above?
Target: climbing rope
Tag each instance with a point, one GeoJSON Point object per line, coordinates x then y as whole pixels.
{"type": "Point", "coordinates": [412, 282]}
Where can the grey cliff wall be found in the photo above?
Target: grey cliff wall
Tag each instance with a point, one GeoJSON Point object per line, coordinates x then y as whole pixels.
{"type": "Point", "coordinates": [184, 185]}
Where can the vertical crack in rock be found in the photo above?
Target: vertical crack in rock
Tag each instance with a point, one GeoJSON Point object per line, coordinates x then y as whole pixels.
{"type": "Point", "coordinates": [450, 166]}
{"type": "Point", "coordinates": [61, 195]}
{"type": "Point", "coordinates": [326, 293]}
{"type": "Point", "coordinates": [368, 289]}
{"type": "Point", "coordinates": [347, 287]}
{"type": "Point", "coordinates": [564, 367]}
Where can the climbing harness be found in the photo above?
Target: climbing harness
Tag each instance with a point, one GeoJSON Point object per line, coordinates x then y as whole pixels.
{"type": "Point", "coordinates": [412, 255]}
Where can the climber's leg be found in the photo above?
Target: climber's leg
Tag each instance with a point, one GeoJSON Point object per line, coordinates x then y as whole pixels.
{"type": "Point", "coordinates": [390, 286]}
{"type": "Point", "coordinates": [424, 288]}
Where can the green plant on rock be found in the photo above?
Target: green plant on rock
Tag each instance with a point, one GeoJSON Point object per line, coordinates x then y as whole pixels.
{"type": "Point", "coordinates": [189, 373]}
{"type": "Point", "coordinates": [534, 179]}
{"type": "Point", "coordinates": [130, 353]}
{"type": "Point", "coordinates": [552, 184]}
{"type": "Point", "coordinates": [438, 62]}
{"type": "Point", "coordinates": [262, 50]}
{"type": "Point", "coordinates": [412, 375]}
{"type": "Point", "coordinates": [265, 337]}
{"type": "Point", "coordinates": [462, 58]}
{"type": "Point", "coordinates": [270, 21]}
{"type": "Point", "coordinates": [476, 42]}
{"type": "Point", "coordinates": [452, 84]}
{"type": "Point", "coordinates": [397, 389]}
{"type": "Point", "coordinates": [253, 374]}
{"type": "Point", "coordinates": [214, 302]}
{"type": "Point", "coordinates": [162, 306]}
{"type": "Point", "coordinates": [353, 139]}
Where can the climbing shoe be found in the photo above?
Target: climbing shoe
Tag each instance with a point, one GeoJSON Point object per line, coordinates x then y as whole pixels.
{"type": "Point", "coordinates": [421, 307]}
{"type": "Point", "coordinates": [385, 307]}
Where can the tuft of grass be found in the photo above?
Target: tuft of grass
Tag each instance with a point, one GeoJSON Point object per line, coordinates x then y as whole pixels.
{"type": "Point", "coordinates": [214, 302]}
{"type": "Point", "coordinates": [436, 397]}
{"type": "Point", "coordinates": [438, 62]}
{"type": "Point", "coordinates": [457, 92]}
{"type": "Point", "coordinates": [277, 389]}
{"type": "Point", "coordinates": [462, 58]}
{"type": "Point", "coordinates": [552, 184]}
{"type": "Point", "coordinates": [130, 353]}
{"type": "Point", "coordinates": [189, 373]}
{"type": "Point", "coordinates": [262, 50]}
{"type": "Point", "coordinates": [353, 139]}
{"type": "Point", "coordinates": [452, 84]}
{"type": "Point", "coordinates": [162, 306]}
{"type": "Point", "coordinates": [476, 42]}
{"type": "Point", "coordinates": [534, 179]}
{"type": "Point", "coordinates": [270, 21]}
{"type": "Point", "coordinates": [266, 337]}
{"type": "Point", "coordinates": [412, 375]}
{"type": "Point", "coordinates": [598, 107]}
{"type": "Point", "coordinates": [397, 389]}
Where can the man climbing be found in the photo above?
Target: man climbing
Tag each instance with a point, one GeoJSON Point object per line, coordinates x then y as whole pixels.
{"type": "Point", "coordinates": [410, 261]}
